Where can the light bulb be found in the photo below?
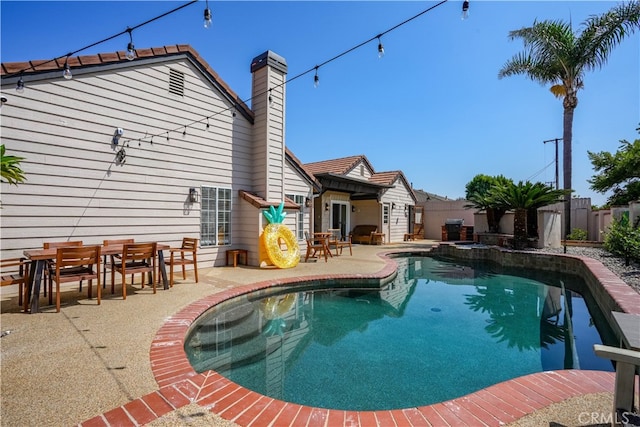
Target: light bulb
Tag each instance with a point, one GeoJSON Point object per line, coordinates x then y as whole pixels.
{"type": "Point", "coordinates": [20, 86]}
{"type": "Point", "coordinates": [465, 9]}
{"type": "Point", "coordinates": [131, 52]}
{"type": "Point", "coordinates": [67, 72]}
{"type": "Point", "coordinates": [207, 18]}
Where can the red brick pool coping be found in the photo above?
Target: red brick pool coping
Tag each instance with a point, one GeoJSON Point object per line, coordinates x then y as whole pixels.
{"type": "Point", "coordinates": [499, 404]}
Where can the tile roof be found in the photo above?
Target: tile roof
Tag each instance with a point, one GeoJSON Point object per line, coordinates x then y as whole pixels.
{"type": "Point", "coordinates": [386, 178]}
{"type": "Point", "coordinates": [34, 67]}
{"type": "Point", "coordinates": [340, 166]}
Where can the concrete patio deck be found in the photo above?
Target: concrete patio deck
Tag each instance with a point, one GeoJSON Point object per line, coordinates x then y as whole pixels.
{"type": "Point", "coordinates": [99, 365]}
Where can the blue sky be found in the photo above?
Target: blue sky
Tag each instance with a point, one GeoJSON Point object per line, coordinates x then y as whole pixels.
{"type": "Point", "coordinates": [432, 107]}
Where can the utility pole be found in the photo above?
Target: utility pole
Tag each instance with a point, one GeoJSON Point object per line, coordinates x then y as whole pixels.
{"type": "Point", "coordinates": [555, 140]}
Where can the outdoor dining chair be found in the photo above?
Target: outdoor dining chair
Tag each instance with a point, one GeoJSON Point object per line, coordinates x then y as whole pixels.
{"type": "Point", "coordinates": [336, 241]}
{"type": "Point", "coordinates": [315, 245]}
{"type": "Point", "coordinates": [187, 256]}
{"type": "Point", "coordinates": [75, 264]}
{"type": "Point", "coordinates": [136, 258]}
{"type": "Point", "coordinates": [51, 264]}
{"type": "Point", "coordinates": [112, 242]}
{"type": "Point", "coordinates": [15, 271]}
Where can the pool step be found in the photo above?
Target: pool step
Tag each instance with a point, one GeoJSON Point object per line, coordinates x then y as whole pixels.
{"type": "Point", "coordinates": [222, 359]}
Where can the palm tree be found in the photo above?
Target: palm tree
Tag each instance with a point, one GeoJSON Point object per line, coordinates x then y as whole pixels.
{"type": "Point", "coordinates": [477, 193]}
{"type": "Point", "coordinates": [555, 55]}
{"type": "Point", "coordinates": [522, 197]}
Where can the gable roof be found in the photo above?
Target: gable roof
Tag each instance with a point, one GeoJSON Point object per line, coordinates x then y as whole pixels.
{"type": "Point", "coordinates": [333, 173]}
{"type": "Point", "coordinates": [388, 178]}
{"type": "Point", "coordinates": [340, 166]}
{"type": "Point", "coordinates": [42, 69]}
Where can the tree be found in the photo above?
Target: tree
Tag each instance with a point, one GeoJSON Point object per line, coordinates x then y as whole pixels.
{"type": "Point", "coordinates": [522, 197]}
{"type": "Point", "coordinates": [11, 168]}
{"type": "Point", "coordinates": [555, 55]}
{"type": "Point", "coordinates": [619, 172]}
{"type": "Point", "coordinates": [478, 193]}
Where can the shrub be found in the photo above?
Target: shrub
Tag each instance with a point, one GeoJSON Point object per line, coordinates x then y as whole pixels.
{"type": "Point", "coordinates": [623, 240]}
{"type": "Point", "coordinates": [577, 234]}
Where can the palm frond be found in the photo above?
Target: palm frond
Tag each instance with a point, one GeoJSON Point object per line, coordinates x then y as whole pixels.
{"type": "Point", "coordinates": [602, 33]}
{"type": "Point", "coordinates": [559, 91]}
{"type": "Point", "coordinates": [10, 168]}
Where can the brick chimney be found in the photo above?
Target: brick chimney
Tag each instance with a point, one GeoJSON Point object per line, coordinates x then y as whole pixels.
{"type": "Point", "coordinates": [268, 97]}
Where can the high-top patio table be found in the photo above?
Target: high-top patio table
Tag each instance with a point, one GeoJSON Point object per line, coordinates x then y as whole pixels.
{"type": "Point", "coordinates": [40, 257]}
{"type": "Point", "coordinates": [323, 238]}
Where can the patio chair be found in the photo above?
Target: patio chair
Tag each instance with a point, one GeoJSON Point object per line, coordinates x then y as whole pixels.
{"type": "Point", "coordinates": [627, 363]}
{"type": "Point", "coordinates": [336, 241]}
{"type": "Point", "coordinates": [15, 271]}
{"type": "Point", "coordinates": [112, 242]}
{"type": "Point", "coordinates": [136, 258]}
{"type": "Point", "coordinates": [75, 264]}
{"type": "Point", "coordinates": [189, 246]}
{"type": "Point", "coordinates": [51, 265]}
{"type": "Point", "coordinates": [314, 246]}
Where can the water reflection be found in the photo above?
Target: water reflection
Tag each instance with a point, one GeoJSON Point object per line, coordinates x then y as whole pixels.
{"type": "Point", "coordinates": [294, 346]}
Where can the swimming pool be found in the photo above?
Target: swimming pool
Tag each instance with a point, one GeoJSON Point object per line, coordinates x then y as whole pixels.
{"type": "Point", "coordinates": [439, 330]}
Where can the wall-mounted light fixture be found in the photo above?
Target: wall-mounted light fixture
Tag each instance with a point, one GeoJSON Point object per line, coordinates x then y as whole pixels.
{"type": "Point", "coordinates": [307, 202]}
{"type": "Point", "coordinates": [193, 195]}
{"type": "Point", "coordinates": [353, 208]}
{"type": "Point", "coordinates": [3, 100]}
{"type": "Point", "coordinates": [393, 205]}
{"type": "Point", "coordinates": [20, 85]}
{"type": "Point", "coordinates": [116, 136]}
{"type": "Point", "coordinates": [326, 206]}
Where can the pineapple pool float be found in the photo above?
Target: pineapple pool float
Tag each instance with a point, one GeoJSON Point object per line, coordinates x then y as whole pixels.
{"type": "Point", "coordinates": [275, 234]}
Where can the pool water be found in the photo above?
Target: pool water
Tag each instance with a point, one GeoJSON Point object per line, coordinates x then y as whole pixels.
{"type": "Point", "coordinates": [438, 331]}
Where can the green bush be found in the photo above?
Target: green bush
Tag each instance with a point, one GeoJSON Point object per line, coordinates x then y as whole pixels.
{"type": "Point", "coordinates": [577, 234]}
{"type": "Point", "coordinates": [623, 240]}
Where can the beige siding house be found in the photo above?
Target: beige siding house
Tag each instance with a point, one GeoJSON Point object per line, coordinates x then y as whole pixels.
{"type": "Point", "coordinates": [353, 193]}
{"type": "Point", "coordinates": [156, 149]}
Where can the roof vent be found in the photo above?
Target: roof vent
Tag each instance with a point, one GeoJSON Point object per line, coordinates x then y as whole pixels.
{"type": "Point", "coordinates": [176, 82]}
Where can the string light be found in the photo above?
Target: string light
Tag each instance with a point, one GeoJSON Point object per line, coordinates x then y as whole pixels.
{"type": "Point", "coordinates": [207, 16]}
{"type": "Point", "coordinates": [128, 30]}
{"type": "Point", "coordinates": [131, 50]}
{"type": "Point", "coordinates": [380, 47]}
{"type": "Point", "coordinates": [20, 84]}
{"type": "Point", "coordinates": [465, 9]}
{"type": "Point", "coordinates": [67, 70]}
{"type": "Point", "coordinates": [315, 68]}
